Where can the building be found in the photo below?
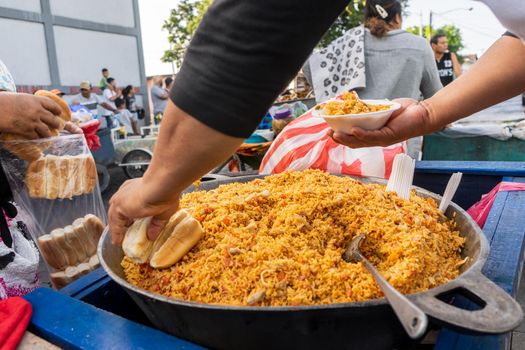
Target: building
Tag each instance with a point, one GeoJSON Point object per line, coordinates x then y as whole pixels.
{"type": "Point", "coordinates": [59, 43]}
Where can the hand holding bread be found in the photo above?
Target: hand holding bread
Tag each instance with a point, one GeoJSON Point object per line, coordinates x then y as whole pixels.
{"type": "Point", "coordinates": [178, 237]}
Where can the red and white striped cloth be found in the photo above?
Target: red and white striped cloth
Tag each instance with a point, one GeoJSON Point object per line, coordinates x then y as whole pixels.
{"type": "Point", "coordinates": [304, 144]}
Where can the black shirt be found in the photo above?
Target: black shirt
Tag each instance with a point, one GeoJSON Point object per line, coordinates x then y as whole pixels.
{"type": "Point", "coordinates": [445, 69]}
{"type": "Point", "coordinates": [243, 55]}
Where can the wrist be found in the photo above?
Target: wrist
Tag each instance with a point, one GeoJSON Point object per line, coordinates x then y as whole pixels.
{"type": "Point", "coordinates": [159, 187]}
{"type": "Point", "coordinates": [430, 120]}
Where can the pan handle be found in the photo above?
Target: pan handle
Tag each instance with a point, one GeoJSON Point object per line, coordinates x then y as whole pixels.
{"type": "Point", "coordinates": [498, 312]}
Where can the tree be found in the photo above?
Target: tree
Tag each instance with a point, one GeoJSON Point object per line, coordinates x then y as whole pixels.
{"type": "Point", "coordinates": [453, 33]}
{"type": "Point", "coordinates": [181, 24]}
{"type": "Point", "coordinates": [351, 17]}
{"type": "Point", "coordinates": [185, 18]}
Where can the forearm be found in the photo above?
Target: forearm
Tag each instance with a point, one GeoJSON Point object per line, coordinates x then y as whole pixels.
{"type": "Point", "coordinates": [496, 77]}
{"type": "Point", "coordinates": [108, 107]}
{"type": "Point", "coordinates": [186, 149]}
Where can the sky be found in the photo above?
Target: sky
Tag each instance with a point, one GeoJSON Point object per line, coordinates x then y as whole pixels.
{"type": "Point", "coordinates": [479, 27]}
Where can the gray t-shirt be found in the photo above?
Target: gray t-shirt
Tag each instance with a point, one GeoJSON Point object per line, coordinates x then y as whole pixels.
{"type": "Point", "coordinates": [159, 104]}
{"type": "Point", "coordinates": [398, 65]}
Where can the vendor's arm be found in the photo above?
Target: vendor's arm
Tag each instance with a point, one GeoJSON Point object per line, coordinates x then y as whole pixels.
{"type": "Point", "coordinates": [242, 56]}
{"type": "Point", "coordinates": [496, 77]}
{"type": "Point", "coordinates": [186, 149]}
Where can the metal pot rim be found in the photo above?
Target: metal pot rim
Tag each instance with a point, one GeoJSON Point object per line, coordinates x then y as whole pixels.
{"type": "Point", "coordinates": [476, 267]}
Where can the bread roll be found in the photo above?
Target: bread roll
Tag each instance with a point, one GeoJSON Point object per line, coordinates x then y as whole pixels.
{"type": "Point", "coordinates": [66, 112]}
{"type": "Point", "coordinates": [59, 279]}
{"type": "Point", "coordinates": [71, 272]}
{"type": "Point", "coordinates": [81, 233]}
{"type": "Point", "coordinates": [94, 227]}
{"type": "Point", "coordinates": [183, 237]}
{"type": "Point", "coordinates": [166, 232]}
{"type": "Point", "coordinates": [136, 244]}
{"type": "Point", "coordinates": [90, 174]}
{"type": "Point", "coordinates": [36, 179]}
{"type": "Point", "coordinates": [59, 237]}
{"type": "Point", "coordinates": [52, 174]}
{"type": "Point", "coordinates": [76, 171]}
{"type": "Point", "coordinates": [82, 269]}
{"type": "Point", "coordinates": [27, 151]}
{"type": "Point", "coordinates": [51, 252]}
{"type": "Point", "coordinates": [94, 262]}
{"type": "Point", "coordinates": [67, 181]}
{"type": "Point", "coordinates": [76, 244]}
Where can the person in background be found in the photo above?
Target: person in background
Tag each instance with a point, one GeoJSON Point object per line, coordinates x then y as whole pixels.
{"type": "Point", "coordinates": [447, 62]}
{"type": "Point", "coordinates": [91, 100]}
{"type": "Point", "coordinates": [168, 84]}
{"type": "Point", "coordinates": [58, 92]}
{"type": "Point", "coordinates": [159, 97]}
{"type": "Point", "coordinates": [104, 80]}
{"type": "Point", "coordinates": [124, 118]}
{"type": "Point", "coordinates": [128, 93]}
{"type": "Point", "coordinates": [111, 94]}
{"type": "Point", "coordinates": [396, 62]}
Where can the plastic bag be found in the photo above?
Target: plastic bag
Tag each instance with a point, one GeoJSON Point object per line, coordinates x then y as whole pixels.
{"type": "Point", "coordinates": [480, 210]}
{"type": "Point", "coordinates": [18, 266]}
{"type": "Point", "coordinates": [304, 144]}
{"type": "Point", "coordinates": [55, 181]}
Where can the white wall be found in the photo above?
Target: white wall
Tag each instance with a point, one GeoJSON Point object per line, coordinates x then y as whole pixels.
{"type": "Point", "coordinates": [23, 50]}
{"type": "Point", "coordinates": [115, 12]}
{"type": "Point", "coordinates": [25, 5]}
{"type": "Point", "coordinates": [83, 53]}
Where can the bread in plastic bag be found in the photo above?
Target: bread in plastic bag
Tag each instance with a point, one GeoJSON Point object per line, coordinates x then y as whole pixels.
{"type": "Point", "coordinates": [60, 191]}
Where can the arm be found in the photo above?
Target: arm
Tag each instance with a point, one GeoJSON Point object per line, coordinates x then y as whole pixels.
{"type": "Point", "coordinates": [496, 77]}
{"type": "Point", "coordinates": [456, 65]}
{"type": "Point", "coordinates": [160, 93]}
{"type": "Point", "coordinates": [108, 107]}
{"type": "Point", "coordinates": [430, 82]}
{"type": "Point", "coordinates": [223, 90]}
{"type": "Point", "coordinates": [175, 165]}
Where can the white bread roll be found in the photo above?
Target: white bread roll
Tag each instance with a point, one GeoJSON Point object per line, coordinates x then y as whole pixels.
{"type": "Point", "coordinates": [136, 244]}
{"type": "Point", "coordinates": [52, 252]}
{"type": "Point", "coordinates": [184, 236]}
{"type": "Point", "coordinates": [59, 237]}
{"type": "Point", "coordinates": [52, 174]}
{"type": "Point", "coordinates": [59, 279]}
{"type": "Point", "coordinates": [94, 228]}
{"type": "Point", "coordinates": [77, 247]}
{"type": "Point", "coordinates": [36, 179]}
{"type": "Point", "coordinates": [83, 236]}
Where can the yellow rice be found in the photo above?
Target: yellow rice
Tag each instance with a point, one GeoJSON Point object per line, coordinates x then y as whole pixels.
{"type": "Point", "coordinates": [279, 241]}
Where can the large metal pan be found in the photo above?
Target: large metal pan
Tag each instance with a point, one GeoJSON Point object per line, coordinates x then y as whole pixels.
{"type": "Point", "coordinates": [364, 325]}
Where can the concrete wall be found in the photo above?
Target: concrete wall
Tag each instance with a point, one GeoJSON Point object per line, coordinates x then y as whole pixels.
{"type": "Point", "coordinates": [24, 51]}
{"type": "Point", "coordinates": [82, 54]}
{"type": "Point", "coordinates": [59, 43]}
{"type": "Point", "coordinates": [116, 12]}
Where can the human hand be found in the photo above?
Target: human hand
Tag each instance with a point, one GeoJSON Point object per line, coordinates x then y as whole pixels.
{"type": "Point", "coordinates": [27, 115]}
{"type": "Point", "coordinates": [73, 128]}
{"type": "Point", "coordinates": [133, 201]}
{"type": "Point", "coordinates": [411, 120]}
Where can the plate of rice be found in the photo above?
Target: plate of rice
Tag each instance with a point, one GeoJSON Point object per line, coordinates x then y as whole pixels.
{"type": "Point", "coordinates": [348, 111]}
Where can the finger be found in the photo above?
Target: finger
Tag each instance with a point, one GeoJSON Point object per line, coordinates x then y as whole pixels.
{"type": "Point", "coordinates": [51, 120]}
{"type": "Point", "coordinates": [73, 128]}
{"type": "Point", "coordinates": [43, 131]}
{"type": "Point", "coordinates": [118, 225]}
{"type": "Point", "coordinates": [158, 222]}
{"type": "Point", "coordinates": [50, 105]}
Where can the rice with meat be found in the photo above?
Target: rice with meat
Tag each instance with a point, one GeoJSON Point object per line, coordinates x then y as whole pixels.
{"type": "Point", "coordinates": [279, 241]}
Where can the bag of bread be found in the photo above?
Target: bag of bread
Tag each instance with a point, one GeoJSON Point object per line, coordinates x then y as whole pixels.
{"type": "Point", "coordinates": [55, 181]}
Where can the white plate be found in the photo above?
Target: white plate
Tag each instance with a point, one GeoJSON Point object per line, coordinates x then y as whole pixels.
{"type": "Point", "coordinates": [368, 121]}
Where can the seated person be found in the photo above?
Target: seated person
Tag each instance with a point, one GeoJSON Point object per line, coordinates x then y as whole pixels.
{"type": "Point", "coordinates": [124, 117]}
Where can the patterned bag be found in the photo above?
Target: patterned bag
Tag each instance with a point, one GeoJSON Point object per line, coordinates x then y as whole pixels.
{"type": "Point", "coordinates": [18, 265]}
{"type": "Point", "coordinates": [304, 144]}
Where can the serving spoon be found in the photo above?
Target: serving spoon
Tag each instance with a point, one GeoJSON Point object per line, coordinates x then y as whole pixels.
{"type": "Point", "coordinates": [411, 317]}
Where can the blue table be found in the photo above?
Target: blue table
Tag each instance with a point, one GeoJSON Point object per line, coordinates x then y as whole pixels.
{"type": "Point", "coordinates": [94, 312]}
